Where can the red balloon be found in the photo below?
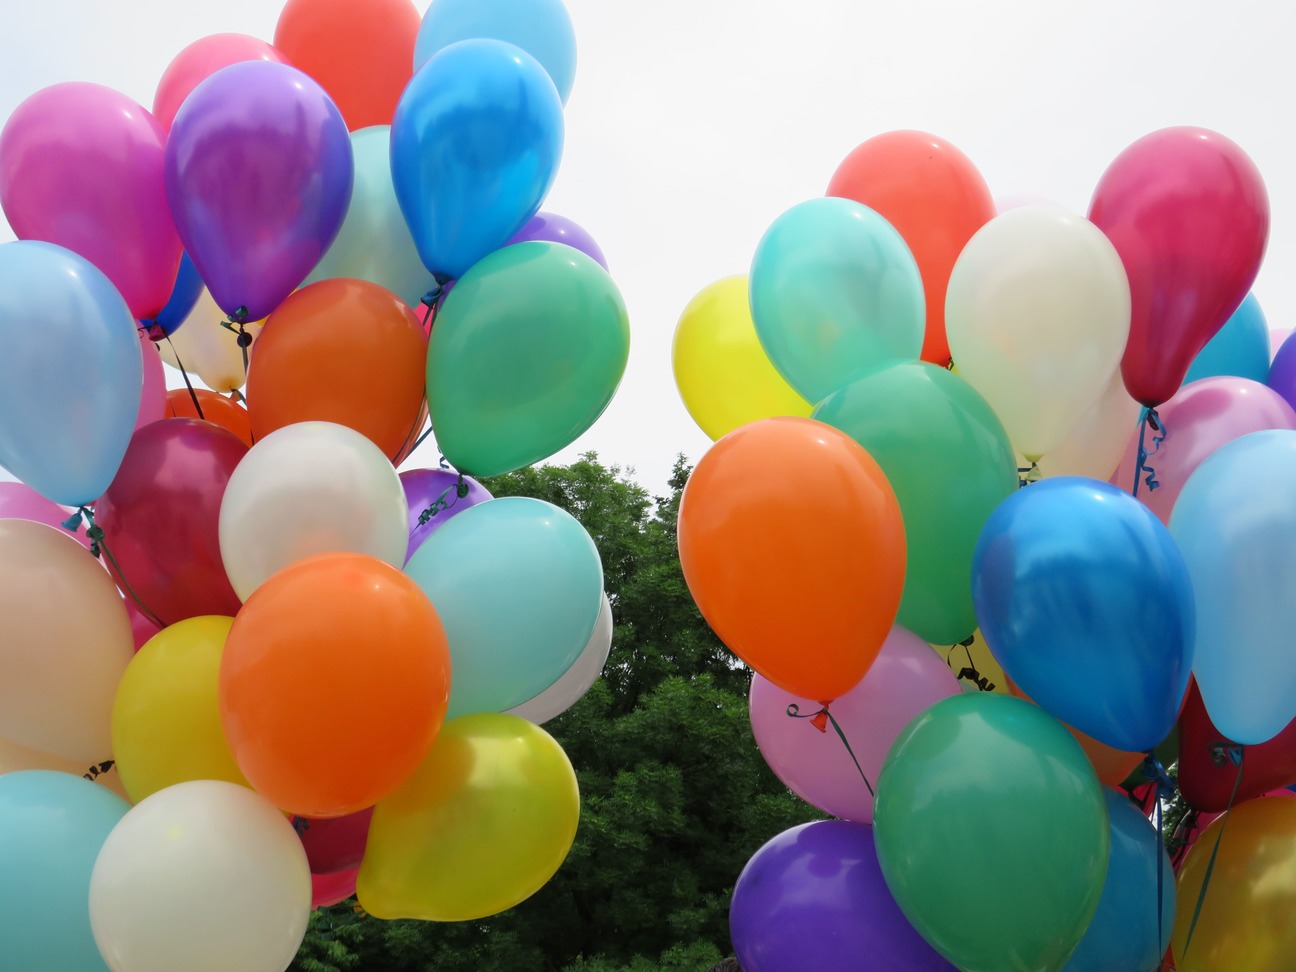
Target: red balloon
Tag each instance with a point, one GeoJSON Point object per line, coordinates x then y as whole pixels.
{"type": "Point", "coordinates": [334, 843]}
{"type": "Point", "coordinates": [1188, 213]}
{"type": "Point", "coordinates": [199, 61]}
{"type": "Point", "coordinates": [334, 888]}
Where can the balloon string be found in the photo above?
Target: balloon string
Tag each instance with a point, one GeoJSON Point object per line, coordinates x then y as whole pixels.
{"type": "Point", "coordinates": [439, 504]}
{"type": "Point", "coordinates": [235, 323]}
{"type": "Point", "coordinates": [818, 719]}
{"type": "Point", "coordinates": [1028, 474]}
{"type": "Point", "coordinates": [433, 300]}
{"type": "Point", "coordinates": [95, 771]}
{"type": "Point", "coordinates": [193, 395]}
{"type": "Point", "coordinates": [968, 671]}
{"type": "Point", "coordinates": [96, 535]}
{"type": "Point", "coordinates": [1143, 468]}
{"type": "Point", "coordinates": [1165, 789]}
{"type": "Point", "coordinates": [1235, 755]}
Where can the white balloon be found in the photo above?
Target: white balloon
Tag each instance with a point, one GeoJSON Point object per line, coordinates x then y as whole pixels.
{"type": "Point", "coordinates": [205, 876]}
{"type": "Point", "coordinates": [576, 681]}
{"type": "Point", "coordinates": [1095, 445]}
{"type": "Point", "coordinates": [305, 489]}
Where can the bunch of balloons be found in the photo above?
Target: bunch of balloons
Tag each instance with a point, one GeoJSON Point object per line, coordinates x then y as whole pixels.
{"type": "Point", "coordinates": [1051, 447]}
{"type": "Point", "coordinates": [288, 672]}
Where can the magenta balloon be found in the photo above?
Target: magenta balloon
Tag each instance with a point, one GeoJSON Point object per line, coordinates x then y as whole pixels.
{"type": "Point", "coordinates": [331, 889]}
{"type": "Point", "coordinates": [18, 501]}
{"type": "Point", "coordinates": [153, 396]}
{"type": "Point", "coordinates": [334, 844]}
{"type": "Point", "coordinates": [142, 629]}
{"type": "Point", "coordinates": [906, 678]}
{"type": "Point", "coordinates": [423, 488]}
{"type": "Point", "coordinates": [81, 165]}
{"type": "Point", "coordinates": [1188, 213]}
{"type": "Point", "coordinates": [258, 174]}
{"type": "Point", "coordinates": [552, 228]}
{"type": "Point", "coordinates": [1201, 417]}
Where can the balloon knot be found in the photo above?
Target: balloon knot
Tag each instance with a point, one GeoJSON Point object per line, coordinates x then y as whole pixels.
{"type": "Point", "coordinates": [1028, 474]}
{"type": "Point", "coordinates": [301, 825]}
{"type": "Point", "coordinates": [1226, 752]}
{"type": "Point", "coordinates": [1152, 769]}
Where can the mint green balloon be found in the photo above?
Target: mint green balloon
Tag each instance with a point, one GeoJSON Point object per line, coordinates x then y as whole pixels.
{"type": "Point", "coordinates": [947, 457]}
{"type": "Point", "coordinates": [835, 292]}
{"type": "Point", "coordinates": [374, 243]}
{"type": "Point", "coordinates": [991, 830]}
{"type": "Point", "coordinates": [525, 355]}
{"type": "Point", "coordinates": [518, 585]}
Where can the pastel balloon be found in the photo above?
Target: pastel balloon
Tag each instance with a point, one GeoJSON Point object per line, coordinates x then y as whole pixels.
{"type": "Point", "coordinates": [199, 61]}
{"type": "Point", "coordinates": [1096, 441]}
{"type": "Point", "coordinates": [552, 228]}
{"type": "Point", "coordinates": [210, 407]}
{"type": "Point", "coordinates": [142, 627]}
{"type": "Point", "coordinates": [20, 502]}
{"type": "Point", "coordinates": [334, 844]}
{"type": "Point", "coordinates": [201, 346]}
{"type": "Point", "coordinates": [153, 388]}
{"type": "Point", "coordinates": [14, 758]}
{"type": "Point", "coordinates": [572, 684]}
{"type": "Point", "coordinates": [1240, 348]}
{"type": "Point", "coordinates": [432, 496]}
{"type": "Point", "coordinates": [184, 295]}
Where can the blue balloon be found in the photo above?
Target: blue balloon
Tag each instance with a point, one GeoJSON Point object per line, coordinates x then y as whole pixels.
{"type": "Point", "coordinates": [71, 375]}
{"type": "Point", "coordinates": [475, 145]}
{"type": "Point", "coordinates": [1086, 602]}
{"type": "Point", "coordinates": [1239, 349]}
{"type": "Point", "coordinates": [52, 826]}
{"type": "Point", "coordinates": [1124, 933]}
{"type": "Point", "coordinates": [184, 295]}
{"type": "Point", "coordinates": [542, 28]}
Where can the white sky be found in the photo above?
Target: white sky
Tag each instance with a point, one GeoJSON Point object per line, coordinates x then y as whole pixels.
{"type": "Point", "coordinates": [694, 123]}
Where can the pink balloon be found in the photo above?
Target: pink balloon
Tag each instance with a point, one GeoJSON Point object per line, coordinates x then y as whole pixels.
{"type": "Point", "coordinates": [81, 165]}
{"type": "Point", "coordinates": [142, 628]}
{"type": "Point", "coordinates": [907, 677]}
{"type": "Point", "coordinates": [18, 501]}
{"type": "Point", "coordinates": [330, 889]}
{"type": "Point", "coordinates": [1201, 417]}
{"type": "Point", "coordinates": [335, 843]}
{"type": "Point", "coordinates": [201, 59]}
{"type": "Point", "coordinates": [153, 399]}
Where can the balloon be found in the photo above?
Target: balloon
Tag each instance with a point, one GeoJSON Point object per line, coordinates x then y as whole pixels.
{"type": "Point", "coordinates": [160, 519]}
{"type": "Point", "coordinates": [216, 409]}
{"type": "Point", "coordinates": [1191, 829]}
{"type": "Point", "coordinates": [1240, 348]}
{"type": "Point", "coordinates": [946, 456]}
{"type": "Point", "coordinates": [1002, 877]}
{"type": "Point", "coordinates": [1188, 213]}
{"type": "Point", "coordinates": [552, 228]}
{"type": "Point", "coordinates": [359, 51]}
{"type": "Point", "coordinates": [70, 377]}
{"type": "Point", "coordinates": [333, 888]}
{"type": "Point", "coordinates": [64, 643]}
{"type": "Point", "coordinates": [1237, 531]}
{"type": "Point", "coordinates": [906, 678]}
{"type": "Point", "coordinates": [1201, 417]}
{"type": "Point", "coordinates": [185, 291]}
{"type": "Point", "coordinates": [475, 145]}
{"type": "Point", "coordinates": [542, 28]}
{"type": "Point", "coordinates": [572, 684]}
{"type": "Point", "coordinates": [153, 389]}
{"type": "Point", "coordinates": [724, 376]}
{"type": "Point", "coordinates": [1112, 765]}
{"type": "Point", "coordinates": [204, 876]}
{"type": "Point", "coordinates": [333, 684]}
{"type": "Point", "coordinates": [1282, 371]}
{"type": "Point", "coordinates": [14, 758]}
{"type": "Point", "coordinates": [434, 492]}
{"type": "Point", "coordinates": [526, 354]}
{"type": "Point", "coordinates": [58, 150]}
{"type": "Point", "coordinates": [835, 557]}
{"type": "Point", "coordinates": [166, 721]}
{"type": "Point", "coordinates": [814, 898]}
{"type": "Point", "coordinates": [934, 197]}
{"type": "Point", "coordinates": [480, 826]}
{"type": "Point", "coordinates": [518, 584]}
{"type": "Point", "coordinates": [142, 628]}
{"type": "Point", "coordinates": [335, 844]}
{"type": "Point", "coordinates": [344, 351]}
{"type": "Point", "coordinates": [21, 502]}
{"type": "Point", "coordinates": [258, 175]}
{"type": "Point", "coordinates": [51, 828]}
{"type": "Point", "coordinates": [199, 61]}
{"type": "Point", "coordinates": [1046, 557]}
{"type": "Point", "coordinates": [201, 345]}
{"type": "Point", "coordinates": [975, 666]}
{"type": "Point", "coordinates": [835, 292]}
{"type": "Point", "coordinates": [1094, 445]}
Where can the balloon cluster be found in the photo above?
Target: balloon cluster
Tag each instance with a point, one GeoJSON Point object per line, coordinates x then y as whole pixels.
{"type": "Point", "coordinates": [900, 362]}
{"type": "Point", "coordinates": [341, 670]}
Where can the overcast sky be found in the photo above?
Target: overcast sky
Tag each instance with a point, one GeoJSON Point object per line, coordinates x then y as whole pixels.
{"type": "Point", "coordinates": [694, 123]}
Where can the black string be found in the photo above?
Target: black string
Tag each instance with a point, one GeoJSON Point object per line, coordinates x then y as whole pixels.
{"type": "Point", "coordinates": [96, 535]}
{"type": "Point", "coordinates": [244, 340]}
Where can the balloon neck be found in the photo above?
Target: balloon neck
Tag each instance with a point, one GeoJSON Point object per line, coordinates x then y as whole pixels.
{"type": "Point", "coordinates": [153, 330]}
{"type": "Point", "coordinates": [235, 323]}
{"type": "Point", "coordinates": [433, 298]}
{"type": "Point", "coordinates": [820, 720]}
{"type": "Point", "coordinates": [1153, 770]}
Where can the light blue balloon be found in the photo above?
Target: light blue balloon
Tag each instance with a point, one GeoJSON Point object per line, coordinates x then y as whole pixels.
{"type": "Point", "coordinates": [518, 584]}
{"type": "Point", "coordinates": [542, 28]}
{"type": "Point", "coordinates": [1239, 349]}
{"type": "Point", "coordinates": [835, 293]}
{"type": "Point", "coordinates": [71, 375]}
{"type": "Point", "coordinates": [52, 826]}
{"type": "Point", "coordinates": [1235, 522]}
{"type": "Point", "coordinates": [475, 145]}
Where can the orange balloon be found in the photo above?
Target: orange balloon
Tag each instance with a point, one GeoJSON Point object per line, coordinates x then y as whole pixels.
{"type": "Point", "coordinates": [794, 550]}
{"type": "Point", "coordinates": [217, 409]}
{"type": "Point", "coordinates": [345, 351]}
{"type": "Point", "coordinates": [334, 683]}
{"type": "Point", "coordinates": [934, 197]}
{"type": "Point", "coordinates": [1112, 765]}
{"type": "Point", "coordinates": [360, 51]}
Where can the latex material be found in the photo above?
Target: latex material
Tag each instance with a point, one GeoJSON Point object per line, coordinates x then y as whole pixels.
{"type": "Point", "coordinates": [333, 888]}
{"type": "Point", "coordinates": [975, 666]}
{"type": "Point", "coordinates": [572, 684]}
{"type": "Point", "coordinates": [1096, 441]}
{"type": "Point", "coordinates": [208, 350]}
{"type": "Point", "coordinates": [199, 61]}
{"type": "Point", "coordinates": [14, 757]}
{"type": "Point", "coordinates": [185, 291]}
{"type": "Point", "coordinates": [425, 490]}
{"type": "Point", "coordinates": [552, 228]}
{"type": "Point", "coordinates": [20, 502]}
{"type": "Point", "coordinates": [1112, 765]}
{"type": "Point", "coordinates": [216, 409]}
{"type": "Point", "coordinates": [335, 844]}
{"type": "Point", "coordinates": [1282, 371]}
{"type": "Point", "coordinates": [152, 404]}
{"type": "Point", "coordinates": [1240, 348]}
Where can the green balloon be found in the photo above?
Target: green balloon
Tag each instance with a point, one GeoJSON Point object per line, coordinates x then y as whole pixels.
{"type": "Point", "coordinates": [526, 353]}
{"type": "Point", "coordinates": [991, 830]}
{"type": "Point", "coordinates": [950, 463]}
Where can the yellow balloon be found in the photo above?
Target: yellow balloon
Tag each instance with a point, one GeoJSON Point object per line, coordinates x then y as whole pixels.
{"type": "Point", "coordinates": [975, 666]}
{"type": "Point", "coordinates": [480, 826]}
{"type": "Point", "coordinates": [207, 349]}
{"type": "Point", "coordinates": [724, 376]}
{"type": "Point", "coordinates": [166, 726]}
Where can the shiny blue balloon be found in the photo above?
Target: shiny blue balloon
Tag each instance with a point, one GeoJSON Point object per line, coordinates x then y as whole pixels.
{"type": "Point", "coordinates": [1085, 601]}
{"type": "Point", "coordinates": [1239, 349]}
{"type": "Point", "coordinates": [70, 374]}
{"type": "Point", "coordinates": [542, 28]}
{"type": "Point", "coordinates": [184, 295]}
{"type": "Point", "coordinates": [52, 826]}
{"type": "Point", "coordinates": [475, 145]}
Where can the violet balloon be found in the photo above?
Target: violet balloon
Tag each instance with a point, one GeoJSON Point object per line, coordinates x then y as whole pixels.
{"type": "Point", "coordinates": [435, 489]}
{"type": "Point", "coordinates": [1282, 370]}
{"type": "Point", "coordinates": [552, 228]}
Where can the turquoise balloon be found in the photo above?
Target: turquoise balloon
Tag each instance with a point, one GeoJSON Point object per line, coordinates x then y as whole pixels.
{"type": "Point", "coordinates": [835, 292]}
{"type": "Point", "coordinates": [1239, 349]}
{"type": "Point", "coordinates": [71, 375]}
{"type": "Point", "coordinates": [374, 243]}
{"type": "Point", "coordinates": [52, 826]}
{"type": "Point", "coordinates": [518, 584]}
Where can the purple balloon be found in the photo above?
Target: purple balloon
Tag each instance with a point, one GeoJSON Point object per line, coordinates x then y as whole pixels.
{"type": "Point", "coordinates": [1282, 371]}
{"type": "Point", "coordinates": [551, 228]}
{"type": "Point", "coordinates": [814, 898]}
{"type": "Point", "coordinates": [258, 175]}
{"type": "Point", "coordinates": [423, 488]}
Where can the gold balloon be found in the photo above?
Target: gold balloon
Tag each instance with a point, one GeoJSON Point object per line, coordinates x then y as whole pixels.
{"type": "Point", "coordinates": [974, 666]}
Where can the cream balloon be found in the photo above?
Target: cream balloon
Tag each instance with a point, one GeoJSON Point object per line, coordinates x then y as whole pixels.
{"type": "Point", "coordinates": [1094, 445]}
{"type": "Point", "coordinates": [205, 876]}
{"type": "Point", "coordinates": [1038, 313]}
{"type": "Point", "coordinates": [202, 346]}
{"type": "Point", "coordinates": [576, 681]}
{"type": "Point", "coordinates": [305, 489]}
{"type": "Point", "coordinates": [15, 758]}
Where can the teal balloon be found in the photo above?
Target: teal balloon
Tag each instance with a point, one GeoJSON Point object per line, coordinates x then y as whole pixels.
{"type": "Point", "coordinates": [71, 375]}
{"type": "Point", "coordinates": [52, 826]}
{"type": "Point", "coordinates": [526, 353]}
{"type": "Point", "coordinates": [374, 243]}
{"type": "Point", "coordinates": [835, 292]}
{"type": "Point", "coordinates": [948, 458]}
{"type": "Point", "coordinates": [542, 28]}
{"type": "Point", "coordinates": [518, 585]}
{"type": "Point", "coordinates": [1239, 349]}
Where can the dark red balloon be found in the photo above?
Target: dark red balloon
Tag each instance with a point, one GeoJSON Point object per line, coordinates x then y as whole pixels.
{"type": "Point", "coordinates": [334, 843]}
